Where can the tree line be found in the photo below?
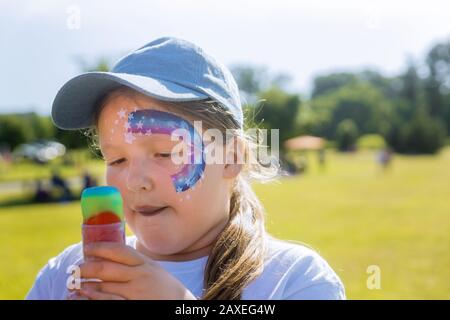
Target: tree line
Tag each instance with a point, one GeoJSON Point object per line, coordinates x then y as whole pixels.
{"type": "Point", "coordinates": [411, 110]}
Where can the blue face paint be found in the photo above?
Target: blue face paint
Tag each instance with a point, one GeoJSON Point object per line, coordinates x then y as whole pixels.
{"type": "Point", "coordinates": [148, 121]}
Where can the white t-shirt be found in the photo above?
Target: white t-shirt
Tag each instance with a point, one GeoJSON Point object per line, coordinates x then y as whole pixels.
{"type": "Point", "coordinates": [291, 271]}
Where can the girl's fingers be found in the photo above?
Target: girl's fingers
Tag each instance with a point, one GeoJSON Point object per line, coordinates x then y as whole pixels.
{"type": "Point", "coordinates": [115, 252]}
{"type": "Point", "coordinates": [113, 288]}
{"type": "Point", "coordinates": [107, 271]}
{"type": "Point", "coordinates": [75, 295]}
{"type": "Point", "coordinates": [98, 295]}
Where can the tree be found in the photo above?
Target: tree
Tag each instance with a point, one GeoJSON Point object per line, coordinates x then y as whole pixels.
{"type": "Point", "coordinates": [326, 84]}
{"type": "Point", "coordinates": [413, 128]}
{"type": "Point", "coordinates": [278, 111]}
{"type": "Point", "coordinates": [358, 101]}
{"type": "Point", "coordinates": [437, 84]}
{"type": "Point", "coordinates": [424, 134]}
{"type": "Point", "coordinates": [42, 126]}
{"type": "Point", "coordinates": [252, 80]}
{"type": "Point", "coordinates": [346, 135]}
{"type": "Point", "coordinates": [72, 139]}
{"type": "Point", "coordinates": [13, 131]}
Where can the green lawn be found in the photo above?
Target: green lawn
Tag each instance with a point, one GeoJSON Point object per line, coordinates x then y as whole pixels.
{"type": "Point", "coordinates": [351, 212]}
{"type": "Point", "coordinates": [29, 171]}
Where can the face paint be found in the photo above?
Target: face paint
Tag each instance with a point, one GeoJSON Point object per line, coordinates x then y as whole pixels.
{"type": "Point", "coordinates": [147, 122]}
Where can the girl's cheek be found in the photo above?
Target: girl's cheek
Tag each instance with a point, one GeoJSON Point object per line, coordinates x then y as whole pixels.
{"type": "Point", "coordinates": [155, 175]}
{"type": "Point", "coordinates": [163, 190]}
{"type": "Point", "coordinates": [192, 200]}
{"type": "Point", "coordinates": [113, 177]}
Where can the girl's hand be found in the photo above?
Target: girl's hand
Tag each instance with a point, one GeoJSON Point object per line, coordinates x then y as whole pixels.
{"type": "Point", "coordinates": [127, 274]}
{"type": "Point", "coordinates": [75, 295]}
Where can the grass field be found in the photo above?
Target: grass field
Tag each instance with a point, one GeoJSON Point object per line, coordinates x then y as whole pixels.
{"type": "Point", "coordinates": [351, 212]}
{"type": "Point", "coordinates": [29, 171]}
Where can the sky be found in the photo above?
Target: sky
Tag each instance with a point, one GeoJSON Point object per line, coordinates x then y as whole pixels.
{"type": "Point", "coordinates": [42, 41]}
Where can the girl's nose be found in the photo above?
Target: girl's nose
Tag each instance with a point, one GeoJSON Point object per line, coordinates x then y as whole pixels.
{"type": "Point", "coordinates": [139, 178]}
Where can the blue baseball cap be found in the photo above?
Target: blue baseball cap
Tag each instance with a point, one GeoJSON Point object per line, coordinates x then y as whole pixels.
{"type": "Point", "coordinates": [168, 69]}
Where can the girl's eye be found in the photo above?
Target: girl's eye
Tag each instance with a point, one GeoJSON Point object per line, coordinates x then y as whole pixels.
{"type": "Point", "coordinates": [163, 155]}
{"type": "Point", "coordinates": [119, 161]}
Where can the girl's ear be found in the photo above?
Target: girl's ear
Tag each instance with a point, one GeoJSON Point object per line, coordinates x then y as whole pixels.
{"type": "Point", "coordinates": [231, 170]}
{"type": "Point", "coordinates": [234, 159]}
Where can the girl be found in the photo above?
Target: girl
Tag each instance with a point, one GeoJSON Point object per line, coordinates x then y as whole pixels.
{"type": "Point", "coordinates": [198, 227]}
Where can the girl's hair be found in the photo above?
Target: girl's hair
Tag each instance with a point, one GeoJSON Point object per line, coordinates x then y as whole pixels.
{"type": "Point", "coordinates": [238, 254]}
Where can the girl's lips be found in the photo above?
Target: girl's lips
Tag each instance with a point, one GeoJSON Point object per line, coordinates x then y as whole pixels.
{"type": "Point", "coordinates": [148, 210]}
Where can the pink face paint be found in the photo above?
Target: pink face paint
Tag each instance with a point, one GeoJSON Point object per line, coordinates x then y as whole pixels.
{"type": "Point", "coordinates": [148, 121]}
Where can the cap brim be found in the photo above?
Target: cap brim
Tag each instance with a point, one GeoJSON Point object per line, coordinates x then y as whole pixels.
{"type": "Point", "coordinates": [75, 103]}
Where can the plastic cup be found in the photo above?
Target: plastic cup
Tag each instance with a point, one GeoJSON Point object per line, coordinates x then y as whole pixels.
{"type": "Point", "coordinates": [113, 232]}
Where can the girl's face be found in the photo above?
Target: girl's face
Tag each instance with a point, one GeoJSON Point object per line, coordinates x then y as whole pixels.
{"type": "Point", "coordinates": [139, 158]}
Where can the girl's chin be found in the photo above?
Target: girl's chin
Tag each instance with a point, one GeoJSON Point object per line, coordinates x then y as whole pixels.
{"type": "Point", "coordinates": [156, 248]}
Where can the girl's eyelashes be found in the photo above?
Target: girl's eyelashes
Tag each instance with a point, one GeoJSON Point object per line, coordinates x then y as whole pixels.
{"type": "Point", "coordinates": [163, 155]}
{"type": "Point", "coordinates": [157, 155]}
{"type": "Point", "coordinates": [119, 161]}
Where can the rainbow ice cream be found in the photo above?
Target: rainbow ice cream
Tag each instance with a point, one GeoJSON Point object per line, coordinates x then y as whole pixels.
{"type": "Point", "coordinates": [102, 209]}
{"type": "Point", "coordinates": [101, 205]}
